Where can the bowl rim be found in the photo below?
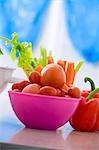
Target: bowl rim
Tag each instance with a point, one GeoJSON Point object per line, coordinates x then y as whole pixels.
{"type": "Point", "coordinates": [45, 96]}
{"type": "Point", "coordinates": [7, 68]}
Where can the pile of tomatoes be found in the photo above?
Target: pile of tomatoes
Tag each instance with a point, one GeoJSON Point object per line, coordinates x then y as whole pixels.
{"type": "Point", "coordinates": [50, 80]}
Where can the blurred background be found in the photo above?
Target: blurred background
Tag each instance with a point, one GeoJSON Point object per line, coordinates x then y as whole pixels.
{"type": "Point", "coordinates": [69, 28]}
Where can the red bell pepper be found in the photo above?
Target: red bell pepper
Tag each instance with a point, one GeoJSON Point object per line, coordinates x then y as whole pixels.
{"type": "Point", "coordinates": [86, 116]}
{"type": "Point", "coordinates": [85, 93]}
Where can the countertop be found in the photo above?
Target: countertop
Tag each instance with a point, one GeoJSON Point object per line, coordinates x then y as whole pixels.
{"type": "Point", "coordinates": [64, 138]}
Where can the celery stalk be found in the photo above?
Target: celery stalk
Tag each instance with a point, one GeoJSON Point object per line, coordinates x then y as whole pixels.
{"type": "Point", "coordinates": [79, 65]}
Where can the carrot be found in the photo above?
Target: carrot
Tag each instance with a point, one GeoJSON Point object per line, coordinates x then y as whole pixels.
{"type": "Point", "coordinates": [62, 63]}
{"type": "Point", "coordinates": [70, 73]}
{"type": "Point", "coordinates": [39, 68]}
{"type": "Point", "coordinates": [50, 60]}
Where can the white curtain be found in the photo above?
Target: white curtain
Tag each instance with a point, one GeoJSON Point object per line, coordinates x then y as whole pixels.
{"type": "Point", "coordinates": [55, 37]}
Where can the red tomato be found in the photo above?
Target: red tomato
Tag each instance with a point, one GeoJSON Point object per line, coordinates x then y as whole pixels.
{"type": "Point", "coordinates": [48, 90]}
{"type": "Point", "coordinates": [20, 85]}
{"type": "Point", "coordinates": [35, 77]}
{"type": "Point", "coordinates": [32, 88]}
{"type": "Point", "coordinates": [53, 75]}
{"type": "Point", "coordinates": [74, 92]}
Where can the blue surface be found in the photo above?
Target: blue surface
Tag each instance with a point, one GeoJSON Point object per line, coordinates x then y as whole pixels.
{"type": "Point", "coordinates": [26, 17]}
{"type": "Point", "coordinates": [9, 129]}
{"type": "Point", "coordinates": [83, 27]}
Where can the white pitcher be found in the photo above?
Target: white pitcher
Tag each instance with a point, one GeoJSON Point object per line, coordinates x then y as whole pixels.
{"type": "Point", "coordinates": [6, 77]}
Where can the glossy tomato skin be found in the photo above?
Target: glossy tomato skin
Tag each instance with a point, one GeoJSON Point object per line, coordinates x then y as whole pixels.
{"type": "Point", "coordinates": [74, 92]}
{"type": "Point", "coordinates": [59, 92]}
{"type": "Point", "coordinates": [53, 75]}
{"type": "Point", "coordinates": [35, 77]}
{"type": "Point", "coordinates": [20, 85]}
{"type": "Point", "coordinates": [48, 90]}
{"type": "Point", "coordinates": [16, 90]}
{"type": "Point", "coordinates": [32, 88]}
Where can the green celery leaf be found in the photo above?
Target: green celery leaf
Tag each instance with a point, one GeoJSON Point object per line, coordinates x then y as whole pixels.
{"type": "Point", "coordinates": [15, 37]}
{"type": "Point", "coordinates": [5, 39]}
{"type": "Point", "coordinates": [13, 53]}
{"type": "Point", "coordinates": [43, 57]}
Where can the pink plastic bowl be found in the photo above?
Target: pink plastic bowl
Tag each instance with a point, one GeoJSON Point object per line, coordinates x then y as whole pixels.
{"type": "Point", "coordinates": [42, 112]}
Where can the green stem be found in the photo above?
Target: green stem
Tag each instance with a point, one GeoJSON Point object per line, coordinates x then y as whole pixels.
{"type": "Point", "coordinates": [91, 82]}
{"type": "Point", "coordinates": [5, 39]}
{"type": "Point", "coordinates": [1, 53]}
{"type": "Point", "coordinates": [78, 66]}
{"type": "Point", "coordinates": [92, 94]}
